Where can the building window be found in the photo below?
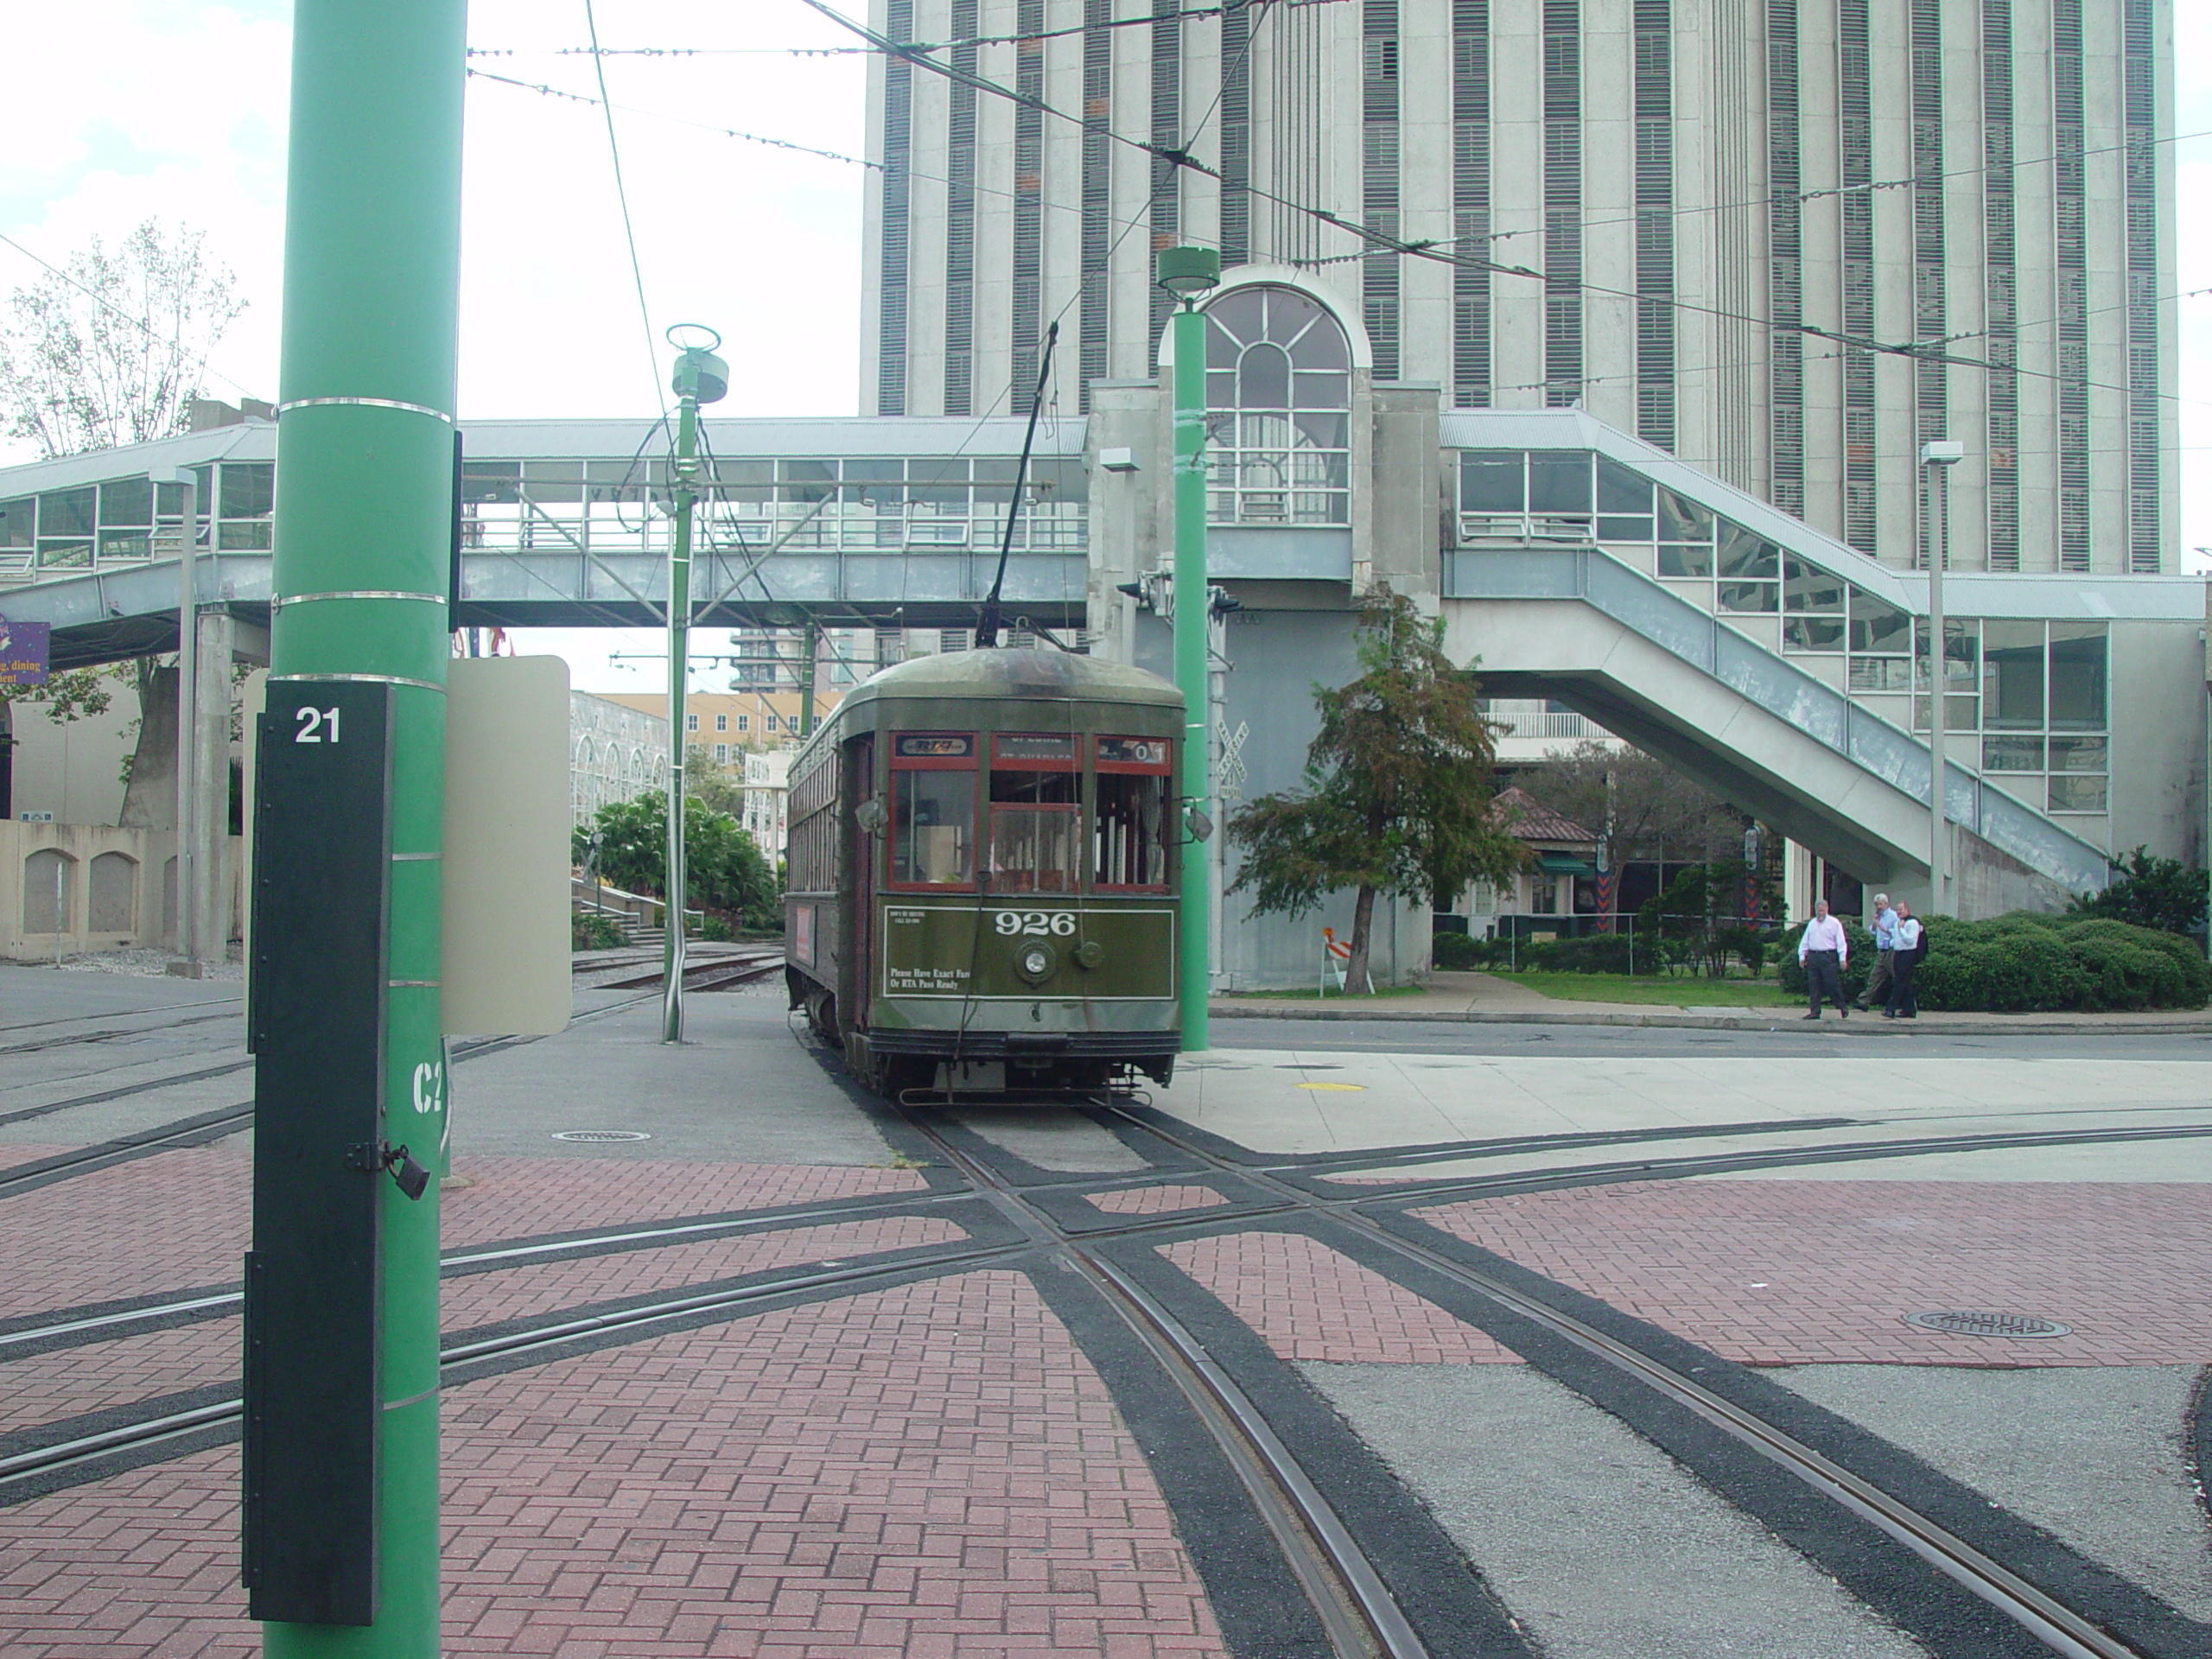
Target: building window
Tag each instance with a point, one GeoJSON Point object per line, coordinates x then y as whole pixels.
{"type": "Point", "coordinates": [744, 722]}
{"type": "Point", "coordinates": [690, 723]}
{"type": "Point", "coordinates": [722, 753]}
{"type": "Point", "coordinates": [721, 723]}
{"type": "Point", "coordinates": [1279, 397]}
{"type": "Point", "coordinates": [772, 723]}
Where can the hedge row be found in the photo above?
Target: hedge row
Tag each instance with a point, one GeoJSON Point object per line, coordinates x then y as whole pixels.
{"type": "Point", "coordinates": [2029, 961]}
{"type": "Point", "coordinates": [1594, 953]}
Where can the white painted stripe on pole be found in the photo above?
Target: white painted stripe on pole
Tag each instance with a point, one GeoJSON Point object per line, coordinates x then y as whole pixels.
{"type": "Point", "coordinates": [378, 679]}
{"type": "Point", "coordinates": [283, 599]}
{"type": "Point", "coordinates": [367, 403]}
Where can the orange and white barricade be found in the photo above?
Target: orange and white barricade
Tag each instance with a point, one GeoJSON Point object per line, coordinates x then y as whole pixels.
{"type": "Point", "coordinates": [1336, 962]}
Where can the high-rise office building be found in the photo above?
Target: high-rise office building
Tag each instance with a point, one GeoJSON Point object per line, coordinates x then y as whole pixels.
{"type": "Point", "coordinates": [1789, 240]}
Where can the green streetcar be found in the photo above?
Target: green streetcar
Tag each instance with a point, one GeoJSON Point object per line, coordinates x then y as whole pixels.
{"type": "Point", "coordinates": [984, 867]}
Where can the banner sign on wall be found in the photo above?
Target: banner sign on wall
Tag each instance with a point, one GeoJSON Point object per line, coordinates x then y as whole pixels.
{"type": "Point", "coordinates": [24, 650]}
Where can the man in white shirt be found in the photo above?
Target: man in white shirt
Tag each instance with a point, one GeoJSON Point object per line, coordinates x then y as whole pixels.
{"type": "Point", "coordinates": [1912, 945]}
{"type": "Point", "coordinates": [1821, 953]}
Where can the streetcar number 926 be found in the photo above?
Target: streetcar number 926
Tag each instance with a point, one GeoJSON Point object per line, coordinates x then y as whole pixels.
{"type": "Point", "coordinates": [1011, 922]}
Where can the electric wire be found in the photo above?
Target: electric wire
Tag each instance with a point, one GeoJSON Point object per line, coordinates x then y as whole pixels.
{"type": "Point", "coordinates": [1378, 241]}
{"type": "Point", "coordinates": [629, 235]}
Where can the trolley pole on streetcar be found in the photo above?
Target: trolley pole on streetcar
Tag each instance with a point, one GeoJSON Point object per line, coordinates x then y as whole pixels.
{"type": "Point", "coordinates": [1188, 273]}
{"type": "Point", "coordinates": [341, 1420]}
{"type": "Point", "coordinates": [700, 378]}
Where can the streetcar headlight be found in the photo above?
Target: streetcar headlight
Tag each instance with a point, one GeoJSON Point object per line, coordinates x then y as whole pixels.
{"type": "Point", "coordinates": [1034, 963]}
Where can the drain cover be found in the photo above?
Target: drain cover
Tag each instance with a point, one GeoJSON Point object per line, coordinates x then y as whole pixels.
{"type": "Point", "coordinates": [1989, 1324]}
{"type": "Point", "coordinates": [601, 1134]}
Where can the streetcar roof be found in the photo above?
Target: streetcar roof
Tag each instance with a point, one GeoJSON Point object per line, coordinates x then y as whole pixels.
{"type": "Point", "coordinates": [1031, 675]}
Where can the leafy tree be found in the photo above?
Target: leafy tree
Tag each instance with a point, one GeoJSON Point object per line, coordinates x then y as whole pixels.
{"type": "Point", "coordinates": [2150, 891]}
{"type": "Point", "coordinates": [72, 694]}
{"type": "Point", "coordinates": [722, 868]}
{"type": "Point", "coordinates": [707, 779]}
{"type": "Point", "coordinates": [112, 348]}
{"type": "Point", "coordinates": [1396, 795]}
{"type": "Point", "coordinates": [1656, 812]}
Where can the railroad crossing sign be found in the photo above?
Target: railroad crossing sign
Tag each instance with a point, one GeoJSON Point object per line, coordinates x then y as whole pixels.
{"type": "Point", "coordinates": [1232, 775]}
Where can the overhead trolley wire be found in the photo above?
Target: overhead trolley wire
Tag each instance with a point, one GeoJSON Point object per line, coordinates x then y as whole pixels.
{"type": "Point", "coordinates": [622, 197]}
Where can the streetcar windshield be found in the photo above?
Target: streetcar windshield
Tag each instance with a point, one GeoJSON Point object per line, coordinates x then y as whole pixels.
{"type": "Point", "coordinates": [1036, 813]}
{"type": "Point", "coordinates": [1132, 812]}
{"type": "Point", "coordinates": [1130, 848]}
{"type": "Point", "coordinates": [935, 815]}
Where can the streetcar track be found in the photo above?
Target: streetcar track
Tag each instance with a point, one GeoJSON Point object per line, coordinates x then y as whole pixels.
{"type": "Point", "coordinates": [1350, 1598]}
{"type": "Point", "coordinates": [25, 1114]}
{"type": "Point", "coordinates": [204, 1127]}
{"type": "Point", "coordinates": [89, 1452]}
{"type": "Point", "coordinates": [124, 1014]}
{"type": "Point", "coordinates": [1355, 1607]}
{"type": "Point", "coordinates": [98, 1322]}
{"type": "Point", "coordinates": [93, 1322]}
{"type": "Point", "coordinates": [2059, 1627]}
{"type": "Point", "coordinates": [45, 1043]}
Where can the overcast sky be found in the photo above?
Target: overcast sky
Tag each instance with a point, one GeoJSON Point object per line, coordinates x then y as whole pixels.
{"type": "Point", "coordinates": [129, 108]}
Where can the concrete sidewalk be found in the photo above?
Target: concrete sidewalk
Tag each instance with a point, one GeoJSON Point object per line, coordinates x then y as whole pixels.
{"type": "Point", "coordinates": [1494, 999]}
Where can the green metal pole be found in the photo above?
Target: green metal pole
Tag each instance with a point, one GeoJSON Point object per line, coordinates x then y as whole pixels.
{"type": "Point", "coordinates": [363, 526]}
{"type": "Point", "coordinates": [807, 669]}
{"type": "Point", "coordinates": [679, 672]}
{"type": "Point", "coordinates": [1193, 981]}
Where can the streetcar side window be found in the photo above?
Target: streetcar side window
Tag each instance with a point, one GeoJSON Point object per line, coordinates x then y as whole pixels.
{"type": "Point", "coordinates": [1036, 813]}
{"type": "Point", "coordinates": [933, 810]}
{"type": "Point", "coordinates": [1130, 845]}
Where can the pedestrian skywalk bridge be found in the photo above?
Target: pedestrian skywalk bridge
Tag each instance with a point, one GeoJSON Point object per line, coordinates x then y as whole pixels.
{"type": "Point", "coordinates": [1783, 669]}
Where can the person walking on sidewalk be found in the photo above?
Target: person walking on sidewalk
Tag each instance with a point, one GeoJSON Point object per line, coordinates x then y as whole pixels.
{"type": "Point", "coordinates": [1912, 945]}
{"type": "Point", "coordinates": [1885, 950]}
{"type": "Point", "coordinates": [1821, 953]}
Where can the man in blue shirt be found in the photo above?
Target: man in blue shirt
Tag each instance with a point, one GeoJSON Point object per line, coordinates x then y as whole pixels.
{"type": "Point", "coordinates": [1885, 954]}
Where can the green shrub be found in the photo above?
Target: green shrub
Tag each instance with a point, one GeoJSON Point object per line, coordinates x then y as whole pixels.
{"type": "Point", "coordinates": [1595, 953]}
{"type": "Point", "coordinates": [1453, 953]}
{"type": "Point", "coordinates": [714, 930]}
{"type": "Point", "coordinates": [1858, 968]}
{"type": "Point", "coordinates": [590, 930]}
{"type": "Point", "coordinates": [2027, 962]}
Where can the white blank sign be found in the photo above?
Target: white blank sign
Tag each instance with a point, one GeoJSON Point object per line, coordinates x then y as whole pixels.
{"type": "Point", "coordinates": [506, 967]}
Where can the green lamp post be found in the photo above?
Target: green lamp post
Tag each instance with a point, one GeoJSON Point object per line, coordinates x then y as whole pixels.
{"type": "Point", "coordinates": [1188, 274]}
{"type": "Point", "coordinates": [700, 378]}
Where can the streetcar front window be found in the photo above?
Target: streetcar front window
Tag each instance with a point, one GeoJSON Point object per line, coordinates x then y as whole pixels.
{"type": "Point", "coordinates": [1132, 848]}
{"type": "Point", "coordinates": [1130, 836]}
{"type": "Point", "coordinates": [1036, 813]}
{"type": "Point", "coordinates": [935, 841]}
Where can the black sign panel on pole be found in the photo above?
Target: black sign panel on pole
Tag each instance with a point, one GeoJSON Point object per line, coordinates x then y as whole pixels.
{"type": "Point", "coordinates": [321, 887]}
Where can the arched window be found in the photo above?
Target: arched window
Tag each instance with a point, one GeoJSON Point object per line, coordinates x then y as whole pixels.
{"type": "Point", "coordinates": [1279, 402]}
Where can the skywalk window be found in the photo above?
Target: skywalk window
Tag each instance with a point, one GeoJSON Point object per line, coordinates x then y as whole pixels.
{"type": "Point", "coordinates": [1279, 402]}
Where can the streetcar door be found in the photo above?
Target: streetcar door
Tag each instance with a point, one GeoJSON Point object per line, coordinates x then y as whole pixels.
{"type": "Point", "coordinates": [860, 909]}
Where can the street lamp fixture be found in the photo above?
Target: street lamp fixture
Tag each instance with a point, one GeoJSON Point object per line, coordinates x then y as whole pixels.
{"type": "Point", "coordinates": [1187, 272]}
{"type": "Point", "coordinates": [1937, 457]}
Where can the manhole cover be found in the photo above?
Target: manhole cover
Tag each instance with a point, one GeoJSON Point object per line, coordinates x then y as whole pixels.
{"type": "Point", "coordinates": [601, 1134]}
{"type": "Point", "coordinates": [1989, 1324]}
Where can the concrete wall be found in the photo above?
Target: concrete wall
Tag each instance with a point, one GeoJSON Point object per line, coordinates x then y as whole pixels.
{"type": "Point", "coordinates": [73, 770]}
{"type": "Point", "coordinates": [2158, 744]}
{"type": "Point", "coordinates": [119, 888]}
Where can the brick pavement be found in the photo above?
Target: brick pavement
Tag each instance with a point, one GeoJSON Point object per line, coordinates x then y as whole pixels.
{"type": "Point", "coordinates": [1155, 1201]}
{"type": "Point", "coordinates": [1310, 1302]}
{"type": "Point", "coordinates": [1797, 1273]}
{"type": "Point", "coordinates": [931, 1472]}
{"type": "Point", "coordinates": [516, 1197]}
{"type": "Point", "coordinates": [42, 1387]}
{"type": "Point", "coordinates": [182, 1219]}
{"type": "Point", "coordinates": [17, 1152]}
